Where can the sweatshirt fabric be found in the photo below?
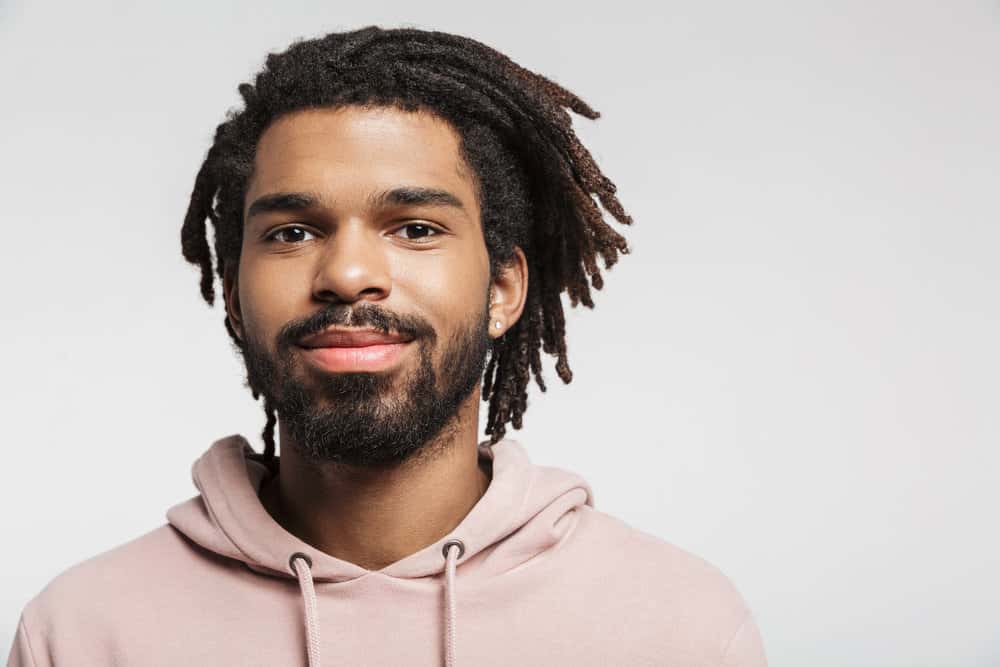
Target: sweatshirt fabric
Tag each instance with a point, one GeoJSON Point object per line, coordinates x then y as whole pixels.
{"type": "Point", "coordinates": [533, 575]}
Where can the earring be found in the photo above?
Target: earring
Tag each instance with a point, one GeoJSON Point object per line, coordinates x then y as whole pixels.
{"type": "Point", "coordinates": [497, 324]}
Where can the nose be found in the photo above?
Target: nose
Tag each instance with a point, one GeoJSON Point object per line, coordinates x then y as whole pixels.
{"type": "Point", "coordinates": [353, 265]}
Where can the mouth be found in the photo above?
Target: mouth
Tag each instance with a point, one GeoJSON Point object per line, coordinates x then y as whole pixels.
{"type": "Point", "coordinates": [355, 358]}
{"type": "Point", "coordinates": [351, 337]}
{"type": "Point", "coordinates": [350, 349]}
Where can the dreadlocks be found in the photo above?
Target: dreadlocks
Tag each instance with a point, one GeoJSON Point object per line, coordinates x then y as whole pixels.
{"type": "Point", "coordinates": [534, 180]}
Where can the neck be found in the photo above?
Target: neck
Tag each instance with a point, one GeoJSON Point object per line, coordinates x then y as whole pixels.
{"type": "Point", "coordinates": [373, 518]}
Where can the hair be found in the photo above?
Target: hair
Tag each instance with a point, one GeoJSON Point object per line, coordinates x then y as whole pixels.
{"type": "Point", "coordinates": [534, 180]}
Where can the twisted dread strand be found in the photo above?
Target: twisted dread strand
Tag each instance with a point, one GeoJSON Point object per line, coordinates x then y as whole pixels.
{"type": "Point", "coordinates": [536, 182]}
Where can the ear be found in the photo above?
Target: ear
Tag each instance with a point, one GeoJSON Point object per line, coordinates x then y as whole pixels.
{"type": "Point", "coordinates": [508, 293]}
{"type": "Point", "coordinates": [231, 293]}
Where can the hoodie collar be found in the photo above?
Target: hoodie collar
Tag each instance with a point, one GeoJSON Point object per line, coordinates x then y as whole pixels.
{"type": "Point", "coordinates": [228, 518]}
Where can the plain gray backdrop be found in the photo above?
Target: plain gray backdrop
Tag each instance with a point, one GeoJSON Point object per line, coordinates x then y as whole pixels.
{"type": "Point", "coordinates": [794, 375]}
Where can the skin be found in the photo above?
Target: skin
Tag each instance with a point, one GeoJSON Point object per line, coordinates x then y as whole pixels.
{"type": "Point", "coordinates": [371, 515]}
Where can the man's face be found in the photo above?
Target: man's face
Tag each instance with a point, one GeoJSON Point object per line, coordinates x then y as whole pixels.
{"type": "Point", "coordinates": [323, 244]}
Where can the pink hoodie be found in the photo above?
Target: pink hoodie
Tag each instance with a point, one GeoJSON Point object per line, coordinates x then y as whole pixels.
{"type": "Point", "coordinates": [533, 575]}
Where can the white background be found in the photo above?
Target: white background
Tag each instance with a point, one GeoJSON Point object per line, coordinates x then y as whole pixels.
{"type": "Point", "coordinates": [795, 375]}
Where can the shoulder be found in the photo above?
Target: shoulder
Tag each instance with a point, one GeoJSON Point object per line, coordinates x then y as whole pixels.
{"type": "Point", "coordinates": [693, 601]}
{"type": "Point", "coordinates": [137, 557]}
{"type": "Point", "coordinates": [91, 595]}
{"type": "Point", "coordinates": [652, 560]}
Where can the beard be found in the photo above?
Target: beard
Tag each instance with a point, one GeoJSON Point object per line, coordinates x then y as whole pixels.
{"type": "Point", "coordinates": [362, 418]}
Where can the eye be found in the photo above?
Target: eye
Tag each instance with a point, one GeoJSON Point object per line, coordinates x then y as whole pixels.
{"type": "Point", "coordinates": [420, 231]}
{"type": "Point", "coordinates": [273, 235]}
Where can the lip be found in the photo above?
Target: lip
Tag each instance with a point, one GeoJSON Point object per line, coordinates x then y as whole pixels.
{"type": "Point", "coordinates": [355, 358]}
{"type": "Point", "coordinates": [343, 338]}
{"type": "Point", "coordinates": [340, 350]}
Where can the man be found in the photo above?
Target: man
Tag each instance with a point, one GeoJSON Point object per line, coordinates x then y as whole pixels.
{"type": "Point", "coordinates": [396, 215]}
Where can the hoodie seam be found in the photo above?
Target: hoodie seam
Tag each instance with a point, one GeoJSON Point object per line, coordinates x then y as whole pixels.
{"type": "Point", "coordinates": [27, 640]}
{"type": "Point", "coordinates": [739, 629]}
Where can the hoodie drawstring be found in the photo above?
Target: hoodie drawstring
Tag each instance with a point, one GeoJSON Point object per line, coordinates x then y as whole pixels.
{"type": "Point", "coordinates": [449, 592]}
{"type": "Point", "coordinates": [301, 565]}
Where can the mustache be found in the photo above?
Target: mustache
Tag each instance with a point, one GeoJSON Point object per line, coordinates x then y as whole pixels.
{"type": "Point", "coordinates": [366, 315]}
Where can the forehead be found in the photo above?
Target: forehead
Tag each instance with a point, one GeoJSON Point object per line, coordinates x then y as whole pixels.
{"type": "Point", "coordinates": [352, 150]}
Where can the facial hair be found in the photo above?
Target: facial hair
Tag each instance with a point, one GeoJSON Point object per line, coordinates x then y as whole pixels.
{"type": "Point", "coordinates": [369, 419]}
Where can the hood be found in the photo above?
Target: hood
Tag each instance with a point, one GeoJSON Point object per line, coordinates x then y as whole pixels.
{"type": "Point", "coordinates": [522, 514]}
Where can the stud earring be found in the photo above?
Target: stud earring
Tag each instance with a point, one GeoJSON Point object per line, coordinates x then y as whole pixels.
{"type": "Point", "coordinates": [497, 324]}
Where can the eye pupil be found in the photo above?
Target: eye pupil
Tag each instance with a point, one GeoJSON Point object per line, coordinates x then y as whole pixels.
{"type": "Point", "coordinates": [423, 228]}
{"type": "Point", "coordinates": [287, 230]}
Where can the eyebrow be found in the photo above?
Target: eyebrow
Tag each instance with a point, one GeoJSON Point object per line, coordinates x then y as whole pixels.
{"type": "Point", "coordinates": [402, 196]}
{"type": "Point", "coordinates": [282, 201]}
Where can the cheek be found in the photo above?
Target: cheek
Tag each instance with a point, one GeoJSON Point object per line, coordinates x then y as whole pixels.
{"type": "Point", "coordinates": [268, 297]}
{"type": "Point", "coordinates": [447, 294]}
